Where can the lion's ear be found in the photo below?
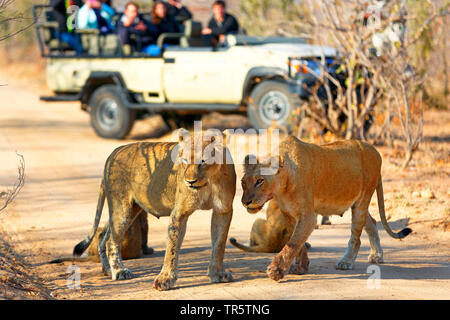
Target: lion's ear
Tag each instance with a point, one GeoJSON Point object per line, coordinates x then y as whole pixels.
{"type": "Point", "coordinates": [280, 161]}
{"type": "Point", "coordinates": [224, 139]}
{"type": "Point", "coordinates": [272, 165]}
{"type": "Point", "coordinates": [182, 134]}
{"type": "Point", "coordinates": [250, 160]}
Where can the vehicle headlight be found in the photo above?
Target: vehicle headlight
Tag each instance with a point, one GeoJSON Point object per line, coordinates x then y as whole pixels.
{"type": "Point", "coordinates": [299, 67]}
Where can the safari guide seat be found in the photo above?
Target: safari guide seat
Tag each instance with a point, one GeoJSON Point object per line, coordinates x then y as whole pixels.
{"type": "Point", "coordinates": [92, 41]}
{"type": "Point", "coordinates": [48, 24]}
{"type": "Point", "coordinates": [96, 44]}
{"type": "Point", "coordinates": [193, 36]}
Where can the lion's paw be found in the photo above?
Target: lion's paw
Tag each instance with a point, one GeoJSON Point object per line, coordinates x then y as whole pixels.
{"type": "Point", "coordinates": [298, 269]}
{"type": "Point", "coordinates": [274, 272]}
{"type": "Point", "coordinates": [224, 276]}
{"type": "Point", "coordinates": [344, 265]}
{"type": "Point", "coordinates": [122, 274]}
{"type": "Point", "coordinates": [375, 258]}
{"type": "Point", "coordinates": [148, 250]}
{"type": "Point", "coordinates": [106, 271]}
{"type": "Point", "coordinates": [164, 282]}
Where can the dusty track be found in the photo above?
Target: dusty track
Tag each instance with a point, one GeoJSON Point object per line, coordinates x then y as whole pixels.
{"type": "Point", "coordinates": [55, 210]}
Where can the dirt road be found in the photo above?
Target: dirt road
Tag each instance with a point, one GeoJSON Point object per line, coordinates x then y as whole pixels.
{"type": "Point", "coordinates": [56, 207]}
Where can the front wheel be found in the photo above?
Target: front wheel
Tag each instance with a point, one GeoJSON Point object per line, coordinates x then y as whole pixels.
{"type": "Point", "coordinates": [271, 102]}
{"type": "Point", "coordinates": [110, 118]}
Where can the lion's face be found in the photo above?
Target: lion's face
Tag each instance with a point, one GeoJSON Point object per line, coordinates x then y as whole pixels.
{"type": "Point", "coordinates": [198, 161]}
{"type": "Point", "coordinates": [259, 188]}
{"type": "Point", "coordinates": [195, 175]}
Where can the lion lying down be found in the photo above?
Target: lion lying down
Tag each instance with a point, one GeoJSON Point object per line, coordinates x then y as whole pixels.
{"type": "Point", "coordinates": [134, 244]}
{"type": "Point", "coordinates": [270, 236]}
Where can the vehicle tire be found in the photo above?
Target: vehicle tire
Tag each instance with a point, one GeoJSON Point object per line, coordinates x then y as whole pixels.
{"type": "Point", "coordinates": [272, 100]}
{"type": "Point", "coordinates": [110, 118]}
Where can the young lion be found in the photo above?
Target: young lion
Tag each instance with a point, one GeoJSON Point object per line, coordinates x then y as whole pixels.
{"type": "Point", "coordinates": [134, 243]}
{"type": "Point", "coordinates": [307, 180]}
{"type": "Point", "coordinates": [271, 235]}
{"type": "Point", "coordinates": [165, 182]}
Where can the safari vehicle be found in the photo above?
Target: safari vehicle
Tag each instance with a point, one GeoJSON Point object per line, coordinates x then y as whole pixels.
{"type": "Point", "coordinates": [264, 77]}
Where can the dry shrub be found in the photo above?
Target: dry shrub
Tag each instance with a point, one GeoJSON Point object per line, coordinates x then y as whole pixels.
{"type": "Point", "coordinates": [8, 195]}
{"type": "Point", "coordinates": [17, 281]}
{"type": "Point", "coordinates": [377, 80]}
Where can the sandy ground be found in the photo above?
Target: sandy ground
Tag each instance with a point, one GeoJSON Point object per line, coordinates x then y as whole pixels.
{"type": "Point", "coordinates": [55, 210]}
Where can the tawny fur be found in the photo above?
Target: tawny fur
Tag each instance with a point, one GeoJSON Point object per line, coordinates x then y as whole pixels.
{"type": "Point", "coordinates": [326, 180]}
{"type": "Point", "coordinates": [144, 176]}
{"type": "Point", "coordinates": [134, 244]}
{"type": "Point", "coordinates": [271, 234]}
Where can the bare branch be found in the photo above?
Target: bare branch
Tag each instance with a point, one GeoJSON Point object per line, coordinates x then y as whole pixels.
{"type": "Point", "coordinates": [12, 17]}
{"type": "Point", "coordinates": [9, 195]}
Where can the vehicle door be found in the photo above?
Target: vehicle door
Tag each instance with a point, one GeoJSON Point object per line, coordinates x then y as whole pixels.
{"type": "Point", "coordinates": [199, 75]}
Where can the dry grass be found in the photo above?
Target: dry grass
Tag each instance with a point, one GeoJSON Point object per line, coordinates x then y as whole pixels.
{"type": "Point", "coordinates": [17, 280]}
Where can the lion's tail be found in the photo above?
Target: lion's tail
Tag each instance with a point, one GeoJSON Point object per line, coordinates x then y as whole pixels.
{"type": "Point", "coordinates": [83, 245]}
{"type": "Point", "coordinates": [257, 248]}
{"type": "Point", "coordinates": [399, 235]}
{"type": "Point", "coordinates": [72, 259]}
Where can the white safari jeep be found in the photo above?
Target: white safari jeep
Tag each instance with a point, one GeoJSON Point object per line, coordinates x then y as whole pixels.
{"type": "Point", "coordinates": [264, 77]}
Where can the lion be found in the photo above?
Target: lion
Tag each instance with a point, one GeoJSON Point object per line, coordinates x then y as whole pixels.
{"type": "Point", "coordinates": [306, 180]}
{"type": "Point", "coordinates": [166, 179]}
{"type": "Point", "coordinates": [270, 236]}
{"type": "Point", "coordinates": [134, 243]}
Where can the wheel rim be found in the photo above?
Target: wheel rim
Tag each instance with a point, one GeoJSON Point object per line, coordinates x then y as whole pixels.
{"type": "Point", "coordinates": [108, 114]}
{"type": "Point", "coordinates": [274, 106]}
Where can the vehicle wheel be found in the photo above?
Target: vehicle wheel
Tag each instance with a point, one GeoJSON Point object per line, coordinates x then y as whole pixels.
{"type": "Point", "coordinates": [271, 101]}
{"type": "Point", "coordinates": [110, 118]}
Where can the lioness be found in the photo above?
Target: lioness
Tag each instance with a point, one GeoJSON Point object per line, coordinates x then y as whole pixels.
{"type": "Point", "coordinates": [271, 235]}
{"type": "Point", "coordinates": [307, 180]}
{"type": "Point", "coordinates": [134, 243]}
{"type": "Point", "coordinates": [146, 176]}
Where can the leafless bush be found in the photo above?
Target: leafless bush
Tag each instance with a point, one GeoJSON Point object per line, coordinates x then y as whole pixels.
{"type": "Point", "coordinates": [6, 197]}
{"type": "Point", "coordinates": [272, 17]}
{"type": "Point", "coordinates": [375, 74]}
{"type": "Point", "coordinates": [13, 20]}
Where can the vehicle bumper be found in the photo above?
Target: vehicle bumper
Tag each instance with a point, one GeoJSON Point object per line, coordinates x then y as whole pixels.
{"type": "Point", "coordinates": [299, 87]}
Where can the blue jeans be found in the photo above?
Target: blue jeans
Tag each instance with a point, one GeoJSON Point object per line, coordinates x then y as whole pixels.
{"type": "Point", "coordinates": [72, 40]}
{"type": "Point", "coordinates": [153, 50]}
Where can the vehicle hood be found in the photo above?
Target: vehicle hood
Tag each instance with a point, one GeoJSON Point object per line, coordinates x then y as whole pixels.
{"type": "Point", "coordinates": [297, 50]}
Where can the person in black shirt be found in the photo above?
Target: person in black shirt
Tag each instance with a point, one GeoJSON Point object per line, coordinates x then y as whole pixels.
{"type": "Point", "coordinates": [131, 23]}
{"type": "Point", "coordinates": [63, 33]}
{"type": "Point", "coordinates": [179, 12]}
{"type": "Point", "coordinates": [221, 23]}
{"type": "Point", "coordinates": [163, 22]}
